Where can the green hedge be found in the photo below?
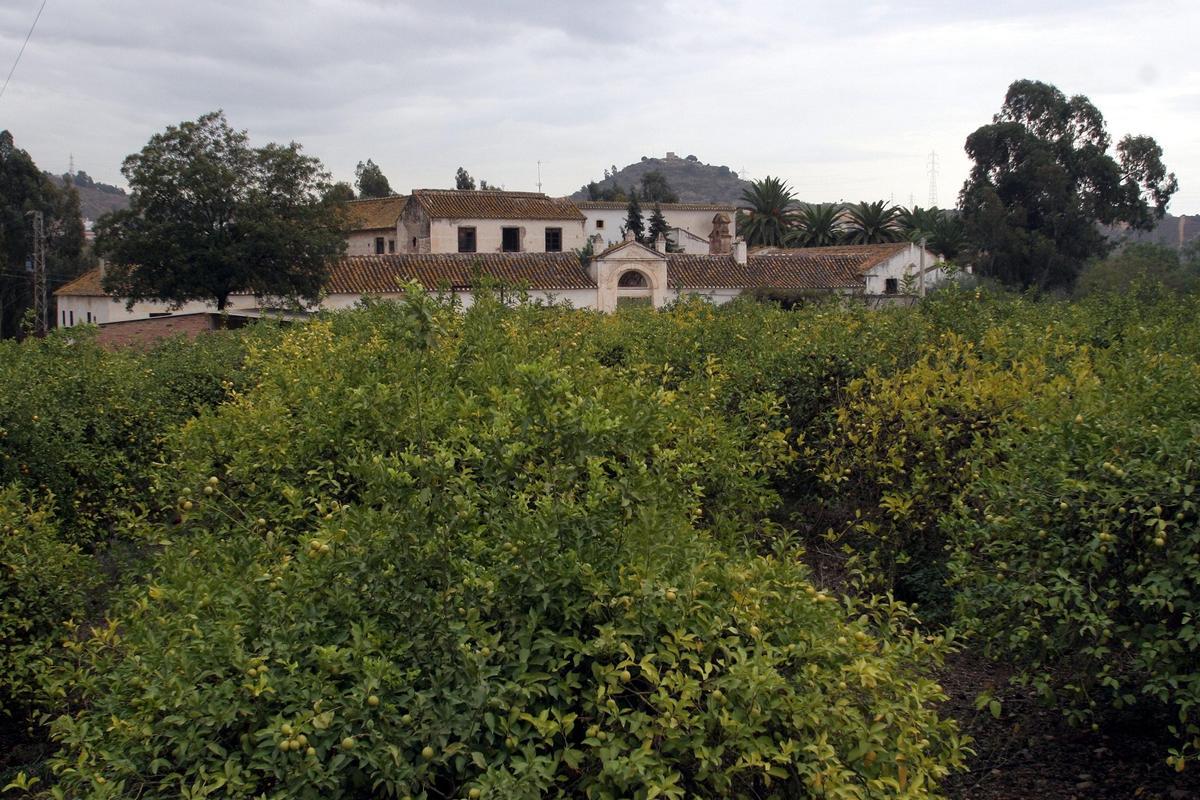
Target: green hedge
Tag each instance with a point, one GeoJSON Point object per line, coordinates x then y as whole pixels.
{"type": "Point", "coordinates": [442, 556]}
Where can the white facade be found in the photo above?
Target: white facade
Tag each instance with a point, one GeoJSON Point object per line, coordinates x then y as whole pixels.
{"type": "Point", "coordinates": [100, 309]}
{"type": "Point", "coordinates": [369, 243]}
{"type": "Point", "coordinates": [607, 219]}
{"type": "Point", "coordinates": [626, 273]}
{"type": "Point", "coordinates": [900, 274]}
{"type": "Point", "coordinates": [489, 233]}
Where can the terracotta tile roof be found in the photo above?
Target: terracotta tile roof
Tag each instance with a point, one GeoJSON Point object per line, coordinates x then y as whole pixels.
{"type": "Point", "coordinates": [647, 205]}
{"type": "Point", "coordinates": [383, 274]}
{"type": "Point", "coordinates": [801, 268]}
{"type": "Point", "coordinates": [376, 213]}
{"type": "Point", "coordinates": [493, 204]}
{"type": "Point", "coordinates": [86, 285]}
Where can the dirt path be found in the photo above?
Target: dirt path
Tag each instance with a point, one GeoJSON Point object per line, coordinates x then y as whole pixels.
{"type": "Point", "coordinates": [1031, 753]}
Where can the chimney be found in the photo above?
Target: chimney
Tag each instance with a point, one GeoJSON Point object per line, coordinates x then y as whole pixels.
{"type": "Point", "coordinates": [739, 251]}
{"type": "Point", "coordinates": [660, 244]}
{"type": "Point", "coordinates": [720, 239]}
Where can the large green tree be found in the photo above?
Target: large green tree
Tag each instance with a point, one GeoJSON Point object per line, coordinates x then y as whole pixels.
{"type": "Point", "coordinates": [25, 189]}
{"type": "Point", "coordinates": [371, 181]}
{"type": "Point", "coordinates": [1044, 177]}
{"type": "Point", "coordinates": [872, 223]}
{"type": "Point", "coordinates": [770, 219]}
{"type": "Point", "coordinates": [210, 215]}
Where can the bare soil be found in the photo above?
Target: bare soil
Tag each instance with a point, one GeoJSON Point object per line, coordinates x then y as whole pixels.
{"type": "Point", "coordinates": [1031, 753]}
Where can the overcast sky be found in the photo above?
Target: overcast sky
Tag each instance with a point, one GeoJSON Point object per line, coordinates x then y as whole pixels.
{"type": "Point", "coordinates": [845, 100]}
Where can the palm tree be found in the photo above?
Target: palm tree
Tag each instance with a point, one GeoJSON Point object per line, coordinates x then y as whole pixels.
{"type": "Point", "coordinates": [872, 223]}
{"type": "Point", "coordinates": [949, 239]}
{"type": "Point", "coordinates": [942, 229]}
{"type": "Point", "coordinates": [770, 219]}
{"type": "Point", "coordinates": [917, 222]}
{"type": "Point", "coordinates": [817, 225]}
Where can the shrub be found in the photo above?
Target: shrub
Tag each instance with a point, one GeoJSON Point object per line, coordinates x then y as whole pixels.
{"type": "Point", "coordinates": [1077, 551]}
{"type": "Point", "coordinates": [44, 582]}
{"type": "Point", "coordinates": [85, 425]}
{"type": "Point", "coordinates": [438, 554]}
{"type": "Point", "coordinates": [903, 447]}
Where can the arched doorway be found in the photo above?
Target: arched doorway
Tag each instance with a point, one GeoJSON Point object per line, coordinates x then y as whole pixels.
{"type": "Point", "coordinates": [633, 289]}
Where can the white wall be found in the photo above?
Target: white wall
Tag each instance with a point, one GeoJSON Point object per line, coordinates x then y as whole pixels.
{"type": "Point", "coordinates": [698, 223]}
{"type": "Point", "coordinates": [443, 234]}
{"type": "Point", "coordinates": [77, 309]}
{"type": "Point", "coordinates": [362, 243]}
{"type": "Point", "coordinates": [904, 263]}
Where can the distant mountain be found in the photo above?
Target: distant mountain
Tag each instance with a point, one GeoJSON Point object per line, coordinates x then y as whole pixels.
{"type": "Point", "coordinates": [1172, 231]}
{"type": "Point", "coordinates": [95, 199]}
{"type": "Point", "coordinates": [692, 179]}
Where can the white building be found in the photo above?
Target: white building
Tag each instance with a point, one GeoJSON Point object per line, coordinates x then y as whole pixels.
{"type": "Point", "coordinates": [464, 221]}
{"type": "Point", "coordinates": [374, 225]}
{"type": "Point", "coordinates": [691, 223]}
{"type": "Point", "coordinates": [626, 273]}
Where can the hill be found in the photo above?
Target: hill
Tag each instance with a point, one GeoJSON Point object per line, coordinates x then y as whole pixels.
{"type": "Point", "coordinates": [1171, 231]}
{"type": "Point", "coordinates": [692, 179]}
{"type": "Point", "coordinates": [95, 199]}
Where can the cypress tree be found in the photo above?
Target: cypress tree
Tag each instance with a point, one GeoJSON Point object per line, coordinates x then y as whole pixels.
{"type": "Point", "coordinates": [633, 217]}
{"type": "Point", "coordinates": [658, 224]}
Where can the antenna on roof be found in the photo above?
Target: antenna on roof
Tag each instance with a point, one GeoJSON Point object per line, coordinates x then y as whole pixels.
{"type": "Point", "coordinates": [71, 168]}
{"type": "Point", "coordinates": [539, 176]}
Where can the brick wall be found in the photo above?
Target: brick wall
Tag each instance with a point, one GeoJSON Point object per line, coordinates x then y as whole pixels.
{"type": "Point", "coordinates": [145, 332]}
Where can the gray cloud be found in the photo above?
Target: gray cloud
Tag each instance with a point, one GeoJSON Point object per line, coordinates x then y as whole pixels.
{"type": "Point", "coordinates": [845, 100]}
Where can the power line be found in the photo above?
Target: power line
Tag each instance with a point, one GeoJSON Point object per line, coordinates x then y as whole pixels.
{"type": "Point", "coordinates": [21, 52]}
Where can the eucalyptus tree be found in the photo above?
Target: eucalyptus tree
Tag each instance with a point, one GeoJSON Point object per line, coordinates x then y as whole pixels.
{"type": "Point", "coordinates": [1043, 181]}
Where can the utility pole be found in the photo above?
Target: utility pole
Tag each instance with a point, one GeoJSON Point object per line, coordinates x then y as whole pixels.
{"type": "Point", "coordinates": [41, 309]}
{"type": "Point", "coordinates": [921, 274]}
{"type": "Point", "coordinates": [933, 173]}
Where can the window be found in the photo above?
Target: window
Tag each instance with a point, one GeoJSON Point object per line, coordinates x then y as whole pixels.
{"type": "Point", "coordinates": [553, 240]}
{"type": "Point", "coordinates": [599, 224]}
{"type": "Point", "coordinates": [391, 245]}
{"type": "Point", "coordinates": [64, 313]}
{"type": "Point", "coordinates": [378, 245]}
{"type": "Point", "coordinates": [72, 317]}
{"type": "Point", "coordinates": [891, 286]}
{"type": "Point", "coordinates": [466, 240]}
{"type": "Point", "coordinates": [414, 244]}
{"type": "Point", "coordinates": [510, 240]}
{"type": "Point", "coordinates": [633, 280]}
{"type": "Point", "coordinates": [89, 317]}
{"type": "Point", "coordinates": [160, 314]}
